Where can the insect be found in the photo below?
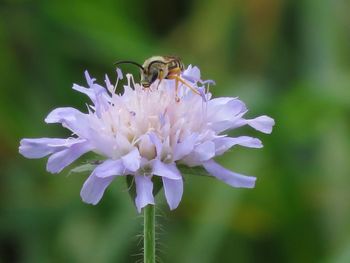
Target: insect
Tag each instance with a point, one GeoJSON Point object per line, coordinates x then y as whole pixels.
{"type": "Point", "coordinates": [159, 68]}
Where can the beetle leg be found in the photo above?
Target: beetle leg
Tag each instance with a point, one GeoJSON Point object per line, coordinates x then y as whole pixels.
{"type": "Point", "coordinates": [186, 84]}
{"type": "Point", "coordinates": [175, 74]}
{"type": "Point", "coordinates": [161, 77]}
{"type": "Point", "coordinates": [177, 99]}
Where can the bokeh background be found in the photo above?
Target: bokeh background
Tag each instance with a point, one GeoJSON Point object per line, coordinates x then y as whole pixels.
{"type": "Point", "coordinates": [286, 59]}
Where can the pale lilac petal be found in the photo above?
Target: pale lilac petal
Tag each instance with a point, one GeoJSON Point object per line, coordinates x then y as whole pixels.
{"type": "Point", "coordinates": [102, 99]}
{"type": "Point", "coordinates": [63, 115]}
{"type": "Point", "coordinates": [144, 192]}
{"type": "Point", "coordinates": [70, 118]}
{"type": "Point", "coordinates": [87, 91]}
{"type": "Point", "coordinates": [94, 89]}
{"type": "Point", "coordinates": [201, 153]}
{"type": "Point", "coordinates": [225, 108]}
{"type": "Point", "coordinates": [229, 177]}
{"type": "Point", "coordinates": [38, 148]}
{"type": "Point", "coordinates": [185, 147]}
{"type": "Point", "coordinates": [224, 113]}
{"type": "Point", "coordinates": [165, 170]}
{"type": "Point", "coordinates": [110, 168]}
{"type": "Point", "coordinates": [94, 187]}
{"type": "Point", "coordinates": [109, 85]}
{"type": "Point", "coordinates": [205, 151]}
{"type": "Point", "coordinates": [157, 143]}
{"type": "Point", "coordinates": [59, 160]}
{"type": "Point", "coordinates": [146, 147]}
{"type": "Point", "coordinates": [99, 180]}
{"type": "Point", "coordinates": [263, 124]}
{"type": "Point", "coordinates": [162, 119]}
{"type": "Point", "coordinates": [89, 80]}
{"type": "Point", "coordinates": [173, 190]}
{"type": "Point", "coordinates": [191, 74]}
{"type": "Point", "coordinates": [124, 144]}
{"type": "Point", "coordinates": [131, 161]}
{"type": "Point", "coordinates": [248, 141]}
{"type": "Point", "coordinates": [222, 144]}
{"type": "Point", "coordinates": [221, 126]}
{"type": "Point", "coordinates": [97, 94]}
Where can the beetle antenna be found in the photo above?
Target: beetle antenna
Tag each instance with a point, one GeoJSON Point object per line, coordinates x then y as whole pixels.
{"type": "Point", "coordinates": [129, 62]}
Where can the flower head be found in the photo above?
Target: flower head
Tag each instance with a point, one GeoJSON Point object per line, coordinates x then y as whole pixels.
{"type": "Point", "coordinates": [146, 133]}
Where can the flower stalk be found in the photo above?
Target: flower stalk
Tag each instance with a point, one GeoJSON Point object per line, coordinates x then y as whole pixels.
{"type": "Point", "coordinates": [149, 234]}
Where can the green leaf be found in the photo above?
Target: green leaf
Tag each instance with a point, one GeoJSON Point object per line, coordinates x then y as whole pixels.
{"type": "Point", "coordinates": [88, 167]}
{"type": "Point", "coordinates": [130, 181]}
{"type": "Point", "coordinates": [157, 184]}
{"type": "Point", "coordinates": [197, 171]}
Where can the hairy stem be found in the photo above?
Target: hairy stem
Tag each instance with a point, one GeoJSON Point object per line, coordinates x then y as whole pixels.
{"type": "Point", "coordinates": [149, 234]}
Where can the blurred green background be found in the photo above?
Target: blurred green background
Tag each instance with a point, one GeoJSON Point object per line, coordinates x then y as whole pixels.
{"type": "Point", "coordinates": [286, 59]}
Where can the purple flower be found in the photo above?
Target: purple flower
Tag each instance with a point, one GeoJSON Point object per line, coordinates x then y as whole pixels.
{"type": "Point", "coordinates": [147, 133]}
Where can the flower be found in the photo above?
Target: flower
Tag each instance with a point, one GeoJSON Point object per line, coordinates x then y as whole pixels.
{"type": "Point", "coordinates": [146, 133]}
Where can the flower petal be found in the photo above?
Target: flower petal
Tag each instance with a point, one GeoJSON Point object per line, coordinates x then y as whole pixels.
{"type": "Point", "coordinates": [98, 181]}
{"type": "Point", "coordinates": [173, 190]}
{"type": "Point", "coordinates": [110, 168]}
{"type": "Point", "coordinates": [248, 141]}
{"type": "Point", "coordinates": [193, 74]}
{"type": "Point", "coordinates": [224, 113]}
{"type": "Point", "coordinates": [108, 83]}
{"type": "Point", "coordinates": [225, 108]}
{"type": "Point", "coordinates": [201, 153]}
{"type": "Point", "coordinates": [97, 94]}
{"type": "Point", "coordinates": [70, 118]}
{"type": "Point", "coordinates": [229, 177]}
{"type": "Point", "coordinates": [157, 143]}
{"type": "Point", "coordinates": [89, 80]}
{"type": "Point", "coordinates": [165, 170]}
{"type": "Point", "coordinates": [205, 151]}
{"type": "Point", "coordinates": [131, 161]}
{"type": "Point", "coordinates": [38, 148]}
{"type": "Point", "coordinates": [222, 144]}
{"type": "Point", "coordinates": [185, 147]}
{"type": "Point", "coordinates": [144, 192]}
{"type": "Point", "coordinates": [89, 92]}
{"type": "Point", "coordinates": [146, 147]}
{"type": "Point", "coordinates": [59, 160]}
{"type": "Point", "coordinates": [262, 123]}
{"type": "Point", "coordinates": [94, 187]}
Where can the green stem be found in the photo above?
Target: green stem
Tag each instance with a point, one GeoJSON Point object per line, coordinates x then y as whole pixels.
{"type": "Point", "coordinates": [149, 242]}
